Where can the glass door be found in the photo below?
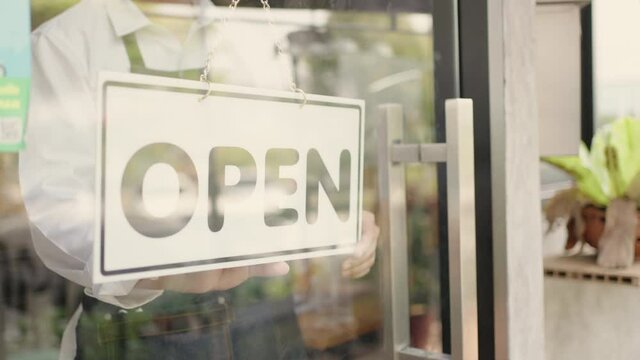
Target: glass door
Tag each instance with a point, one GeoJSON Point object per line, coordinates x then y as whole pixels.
{"type": "Point", "coordinates": [414, 298]}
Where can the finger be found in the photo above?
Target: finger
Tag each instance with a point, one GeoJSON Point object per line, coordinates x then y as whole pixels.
{"type": "Point", "coordinates": [369, 236]}
{"type": "Point", "coordinates": [358, 275]}
{"type": "Point", "coordinates": [354, 261]}
{"type": "Point", "coordinates": [368, 217]}
{"type": "Point", "coordinates": [359, 270]}
{"type": "Point", "coordinates": [372, 230]}
{"type": "Point", "coordinates": [229, 278]}
{"type": "Point", "coordinates": [368, 242]}
{"type": "Point", "coordinates": [364, 250]}
{"type": "Point", "coordinates": [269, 270]}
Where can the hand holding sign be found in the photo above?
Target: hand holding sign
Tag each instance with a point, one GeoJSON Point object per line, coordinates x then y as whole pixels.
{"type": "Point", "coordinates": [359, 264]}
{"type": "Point", "coordinates": [356, 266]}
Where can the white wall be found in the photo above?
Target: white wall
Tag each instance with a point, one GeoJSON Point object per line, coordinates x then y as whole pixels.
{"type": "Point", "coordinates": [591, 321]}
{"type": "Point", "coordinates": [616, 56]}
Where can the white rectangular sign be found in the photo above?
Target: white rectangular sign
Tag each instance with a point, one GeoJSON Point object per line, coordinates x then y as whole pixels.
{"type": "Point", "coordinates": [244, 177]}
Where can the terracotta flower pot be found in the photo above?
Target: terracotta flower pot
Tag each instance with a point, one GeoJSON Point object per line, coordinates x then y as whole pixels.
{"type": "Point", "coordinates": [594, 221]}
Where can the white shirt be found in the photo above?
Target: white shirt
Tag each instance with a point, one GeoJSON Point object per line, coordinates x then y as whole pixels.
{"type": "Point", "coordinates": [57, 166]}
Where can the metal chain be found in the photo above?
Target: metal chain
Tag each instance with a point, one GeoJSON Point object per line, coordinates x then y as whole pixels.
{"type": "Point", "coordinates": [280, 50]}
{"type": "Point", "coordinates": [208, 65]}
{"type": "Point", "coordinates": [292, 84]}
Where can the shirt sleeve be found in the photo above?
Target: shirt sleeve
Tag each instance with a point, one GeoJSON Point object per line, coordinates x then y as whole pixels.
{"type": "Point", "coordinates": [57, 168]}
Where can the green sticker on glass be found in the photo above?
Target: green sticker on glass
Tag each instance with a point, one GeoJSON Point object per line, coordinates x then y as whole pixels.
{"type": "Point", "coordinates": [15, 72]}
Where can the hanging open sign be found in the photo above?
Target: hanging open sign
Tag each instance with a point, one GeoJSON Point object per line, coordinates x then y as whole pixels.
{"type": "Point", "coordinates": [247, 176]}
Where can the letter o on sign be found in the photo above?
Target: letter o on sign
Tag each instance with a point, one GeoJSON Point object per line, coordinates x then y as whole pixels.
{"type": "Point", "coordinates": [131, 190]}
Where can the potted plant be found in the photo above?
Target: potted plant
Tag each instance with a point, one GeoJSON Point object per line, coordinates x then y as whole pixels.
{"type": "Point", "coordinates": [602, 208]}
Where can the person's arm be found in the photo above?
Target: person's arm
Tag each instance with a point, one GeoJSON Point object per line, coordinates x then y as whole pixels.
{"type": "Point", "coordinates": [57, 178]}
{"type": "Point", "coordinates": [355, 266]}
{"type": "Point", "coordinates": [57, 168]}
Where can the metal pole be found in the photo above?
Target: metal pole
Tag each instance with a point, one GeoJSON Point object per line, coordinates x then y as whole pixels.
{"type": "Point", "coordinates": [462, 229]}
{"type": "Point", "coordinates": [391, 180]}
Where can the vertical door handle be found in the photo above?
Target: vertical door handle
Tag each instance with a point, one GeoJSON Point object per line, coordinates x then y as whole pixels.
{"type": "Point", "coordinates": [457, 153]}
{"type": "Point", "coordinates": [462, 229]}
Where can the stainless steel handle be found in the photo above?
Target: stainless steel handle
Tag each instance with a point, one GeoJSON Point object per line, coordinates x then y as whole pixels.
{"type": "Point", "coordinates": [462, 229]}
{"type": "Point", "coordinates": [391, 183]}
{"type": "Point", "coordinates": [457, 153]}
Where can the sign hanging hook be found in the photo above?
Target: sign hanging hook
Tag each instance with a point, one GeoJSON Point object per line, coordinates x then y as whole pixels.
{"type": "Point", "coordinates": [294, 88]}
{"type": "Point", "coordinates": [204, 77]}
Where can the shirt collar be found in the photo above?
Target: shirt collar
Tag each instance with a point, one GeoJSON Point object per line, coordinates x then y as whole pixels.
{"type": "Point", "coordinates": [205, 15]}
{"type": "Point", "coordinates": [126, 17]}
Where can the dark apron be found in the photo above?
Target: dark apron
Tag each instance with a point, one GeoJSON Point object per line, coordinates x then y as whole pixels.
{"type": "Point", "coordinates": [186, 326]}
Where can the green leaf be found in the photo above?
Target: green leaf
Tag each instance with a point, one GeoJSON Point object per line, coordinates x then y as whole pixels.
{"type": "Point", "coordinates": [624, 156]}
{"type": "Point", "coordinates": [612, 168]}
{"type": "Point", "coordinates": [634, 189]}
{"type": "Point", "coordinates": [597, 159]}
{"type": "Point", "coordinates": [580, 168]}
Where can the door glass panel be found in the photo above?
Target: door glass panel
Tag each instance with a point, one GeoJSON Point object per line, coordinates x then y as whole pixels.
{"type": "Point", "coordinates": [379, 51]}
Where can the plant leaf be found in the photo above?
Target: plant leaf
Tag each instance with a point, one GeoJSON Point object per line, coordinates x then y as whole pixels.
{"type": "Point", "coordinates": [624, 156]}
{"type": "Point", "coordinates": [612, 168]}
{"type": "Point", "coordinates": [580, 168]}
{"type": "Point", "coordinates": [597, 159]}
{"type": "Point", "coordinates": [634, 189]}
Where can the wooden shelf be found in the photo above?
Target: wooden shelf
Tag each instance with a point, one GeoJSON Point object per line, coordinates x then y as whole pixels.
{"type": "Point", "coordinates": [584, 267]}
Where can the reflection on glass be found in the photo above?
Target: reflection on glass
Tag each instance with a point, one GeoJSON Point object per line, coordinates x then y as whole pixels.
{"type": "Point", "coordinates": [351, 49]}
{"type": "Point", "coordinates": [374, 62]}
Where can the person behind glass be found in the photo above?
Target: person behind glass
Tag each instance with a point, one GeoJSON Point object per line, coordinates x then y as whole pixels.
{"type": "Point", "coordinates": [194, 319]}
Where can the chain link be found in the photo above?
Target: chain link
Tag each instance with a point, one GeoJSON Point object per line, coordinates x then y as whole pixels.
{"type": "Point", "coordinates": [208, 67]}
{"type": "Point", "coordinates": [292, 84]}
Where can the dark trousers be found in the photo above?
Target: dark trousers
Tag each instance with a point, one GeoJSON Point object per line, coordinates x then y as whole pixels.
{"type": "Point", "coordinates": [190, 327]}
